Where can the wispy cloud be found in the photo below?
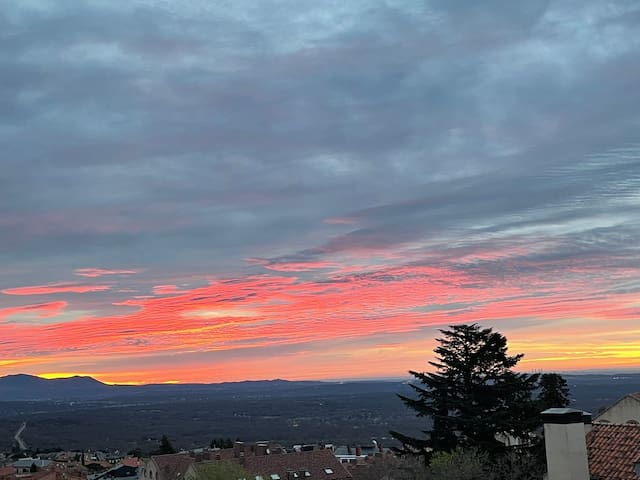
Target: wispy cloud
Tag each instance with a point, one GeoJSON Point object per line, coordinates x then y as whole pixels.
{"type": "Point", "coordinates": [40, 310]}
{"type": "Point", "coordinates": [100, 272]}
{"type": "Point", "coordinates": [54, 288]}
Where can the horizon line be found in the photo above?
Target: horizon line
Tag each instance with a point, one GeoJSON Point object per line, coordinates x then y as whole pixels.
{"type": "Point", "coordinates": [593, 371]}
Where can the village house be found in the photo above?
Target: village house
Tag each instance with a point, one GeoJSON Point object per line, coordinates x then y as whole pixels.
{"type": "Point", "coordinates": [29, 469]}
{"type": "Point", "coordinates": [624, 411]}
{"type": "Point", "coordinates": [263, 460]}
{"type": "Point", "coordinates": [579, 450]}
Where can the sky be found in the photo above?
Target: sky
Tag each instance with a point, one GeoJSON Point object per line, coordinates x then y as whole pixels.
{"type": "Point", "coordinates": [197, 191]}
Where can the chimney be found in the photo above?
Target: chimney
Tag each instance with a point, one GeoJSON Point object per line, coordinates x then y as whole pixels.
{"type": "Point", "coordinates": [565, 444]}
{"type": "Point", "coordinates": [238, 448]}
{"type": "Point", "coordinates": [261, 448]}
{"type": "Point", "coordinates": [358, 451]}
{"type": "Point", "coordinates": [586, 418]}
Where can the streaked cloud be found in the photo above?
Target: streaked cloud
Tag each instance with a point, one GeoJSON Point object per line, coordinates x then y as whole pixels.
{"type": "Point", "coordinates": [54, 288]}
{"type": "Point", "coordinates": [100, 272]}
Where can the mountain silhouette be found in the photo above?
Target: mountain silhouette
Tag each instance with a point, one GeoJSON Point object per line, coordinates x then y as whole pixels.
{"type": "Point", "coordinates": [29, 387]}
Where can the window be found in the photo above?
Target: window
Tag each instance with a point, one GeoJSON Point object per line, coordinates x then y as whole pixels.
{"type": "Point", "coordinates": [328, 471]}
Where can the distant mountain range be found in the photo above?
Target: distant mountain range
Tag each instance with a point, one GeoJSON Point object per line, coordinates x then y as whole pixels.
{"type": "Point", "coordinates": [29, 387]}
{"type": "Point", "coordinates": [23, 387]}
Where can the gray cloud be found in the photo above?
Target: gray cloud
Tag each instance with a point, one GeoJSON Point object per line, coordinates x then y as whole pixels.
{"type": "Point", "coordinates": [191, 136]}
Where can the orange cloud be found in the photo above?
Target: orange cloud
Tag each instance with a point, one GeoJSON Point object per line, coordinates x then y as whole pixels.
{"type": "Point", "coordinates": [276, 325]}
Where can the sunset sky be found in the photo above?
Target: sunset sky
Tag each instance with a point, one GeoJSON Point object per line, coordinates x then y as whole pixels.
{"type": "Point", "coordinates": [203, 191]}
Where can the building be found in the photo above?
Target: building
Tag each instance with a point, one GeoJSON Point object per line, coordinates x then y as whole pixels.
{"type": "Point", "coordinates": [578, 450]}
{"type": "Point", "coordinates": [318, 464]}
{"type": "Point", "coordinates": [614, 451]}
{"type": "Point", "coordinates": [30, 469]}
{"type": "Point", "coordinates": [167, 467]}
{"type": "Point", "coordinates": [26, 465]}
{"type": "Point", "coordinates": [263, 461]}
{"type": "Point", "coordinates": [119, 472]}
{"type": "Point", "coordinates": [625, 410]}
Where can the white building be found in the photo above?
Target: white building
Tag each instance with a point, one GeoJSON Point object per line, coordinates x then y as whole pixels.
{"type": "Point", "coordinates": [624, 411]}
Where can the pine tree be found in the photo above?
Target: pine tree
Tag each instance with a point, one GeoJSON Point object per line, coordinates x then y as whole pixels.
{"type": "Point", "coordinates": [472, 395]}
{"type": "Point", "coordinates": [165, 446]}
{"type": "Point", "coordinates": [554, 391]}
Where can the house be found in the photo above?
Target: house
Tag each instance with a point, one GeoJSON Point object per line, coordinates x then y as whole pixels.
{"type": "Point", "coordinates": [318, 464]}
{"type": "Point", "coordinates": [578, 450]}
{"type": "Point", "coordinates": [614, 451]}
{"type": "Point", "coordinates": [119, 472]}
{"type": "Point", "coordinates": [167, 467]}
{"type": "Point", "coordinates": [625, 410]}
{"type": "Point", "coordinates": [25, 465]}
{"type": "Point", "coordinates": [263, 460]}
{"type": "Point", "coordinates": [30, 469]}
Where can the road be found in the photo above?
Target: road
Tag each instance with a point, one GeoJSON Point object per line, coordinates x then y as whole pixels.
{"type": "Point", "coordinates": [21, 444]}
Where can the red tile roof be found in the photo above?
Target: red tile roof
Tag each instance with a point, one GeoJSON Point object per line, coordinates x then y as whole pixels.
{"type": "Point", "coordinates": [613, 451]}
{"type": "Point", "coordinates": [320, 465]}
{"type": "Point", "coordinates": [172, 466]}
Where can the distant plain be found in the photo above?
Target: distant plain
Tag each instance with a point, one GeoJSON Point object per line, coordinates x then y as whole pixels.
{"type": "Point", "coordinates": [97, 416]}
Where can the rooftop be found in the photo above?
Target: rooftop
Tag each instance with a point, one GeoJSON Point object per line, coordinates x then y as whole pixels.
{"type": "Point", "coordinates": [613, 451]}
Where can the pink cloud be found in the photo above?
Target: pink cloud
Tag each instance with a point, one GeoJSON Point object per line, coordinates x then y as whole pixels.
{"type": "Point", "coordinates": [42, 310]}
{"type": "Point", "coordinates": [166, 290]}
{"type": "Point", "coordinates": [340, 221]}
{"type": "Point", "coordinates": [293, 266]}
{"type": "Point", "coordinates": [54, 288]}
{"type": "Point", "coordinates": [339, 312]}
{"type": "Point", "coordinates": [99, 272]}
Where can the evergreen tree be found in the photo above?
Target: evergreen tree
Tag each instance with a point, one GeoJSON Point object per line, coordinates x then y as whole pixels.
{"type": "Point", "coordinates": [165, 446]}
{"type": "Point", "coordinates": [472, 395]}
{"type": "Point", "coordinates": [554, 391]}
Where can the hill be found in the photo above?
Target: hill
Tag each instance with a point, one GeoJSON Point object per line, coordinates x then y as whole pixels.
{"type": "Point", "coordinates": [29, 387]}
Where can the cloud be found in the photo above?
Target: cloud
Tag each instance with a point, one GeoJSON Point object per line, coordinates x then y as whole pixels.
{"type": "Point", "coordinates": [55, 288]}
{"type": "Point", "coordinates": [40, 310]}
{"type": "Point", "coordinates": [99, 272]}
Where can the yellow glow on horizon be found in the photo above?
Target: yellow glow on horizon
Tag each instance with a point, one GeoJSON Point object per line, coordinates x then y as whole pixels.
{"type": "Point", "coordinates": [56, 375]}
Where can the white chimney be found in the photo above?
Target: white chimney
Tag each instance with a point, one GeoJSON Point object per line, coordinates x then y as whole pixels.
{"type": "Point", "coordinates": [565, 444]}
